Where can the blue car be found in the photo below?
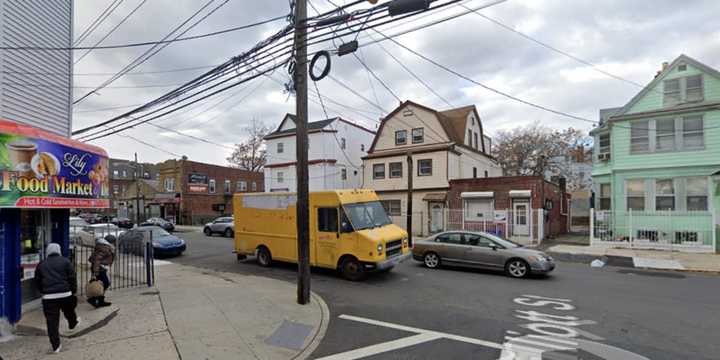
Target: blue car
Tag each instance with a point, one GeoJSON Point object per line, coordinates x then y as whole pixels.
{"type": "Point", "coordinates": [163, 243]}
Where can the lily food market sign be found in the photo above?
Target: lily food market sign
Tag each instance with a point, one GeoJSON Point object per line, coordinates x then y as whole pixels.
{"type": "Point", "coordinates": [43, 170]}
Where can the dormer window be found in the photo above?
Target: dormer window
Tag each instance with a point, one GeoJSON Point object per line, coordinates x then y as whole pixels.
{"type": "Point", "coordinates": [681, 90]}
{"type": "Point", "coordinates": [418, 135]}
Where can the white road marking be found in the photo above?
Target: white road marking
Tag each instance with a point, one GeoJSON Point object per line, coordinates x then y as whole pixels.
{"type": "Point", "coordinates": [536, 343]}
{"type": "Point", "coordinates": [555, 339]}
{"type": "Point", "coordinates": [547, 298]}
{"type": "Point", "coordinates": [422, 335]}
{"type": "Point", "coordinates": [383, 347]}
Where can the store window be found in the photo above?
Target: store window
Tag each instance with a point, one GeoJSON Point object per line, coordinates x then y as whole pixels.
{"type": "Point", "coordinates": [34, 230]}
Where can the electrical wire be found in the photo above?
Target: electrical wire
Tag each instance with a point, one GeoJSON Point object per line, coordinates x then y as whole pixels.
{"type": "Point", "coordinates": [98, 20]}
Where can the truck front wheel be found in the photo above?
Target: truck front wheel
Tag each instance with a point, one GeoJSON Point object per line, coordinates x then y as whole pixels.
{"type": "Point", "coordinates": [263, 257]}
{"type": "Point", "coordinates": [351, 269]}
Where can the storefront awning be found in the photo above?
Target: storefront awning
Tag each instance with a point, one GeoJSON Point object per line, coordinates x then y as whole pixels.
{"type": "Point", "coordinates": [477, 194]}
{"type": "Point", "coordinates": [435, 197]}
{"type": "Point", "coordinates": [39, 169]}
{"type": "Point", "coordinates": [520, 193]}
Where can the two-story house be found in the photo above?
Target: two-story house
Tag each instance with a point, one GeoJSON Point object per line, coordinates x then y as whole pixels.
{"type": "Point", "coordinates": [655, 161]}
{"type": "Point", "coordinates": [335, 150]}
{"type": "Point", "coordinates": [441, 146]}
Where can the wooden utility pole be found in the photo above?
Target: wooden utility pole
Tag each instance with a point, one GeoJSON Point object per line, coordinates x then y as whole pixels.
{"type": "Point", "coordinates": [137, 191]}
{"type": "Point", "coordinates": [301, 113]}
{"type": "Point", "coordinates": [409, 198]}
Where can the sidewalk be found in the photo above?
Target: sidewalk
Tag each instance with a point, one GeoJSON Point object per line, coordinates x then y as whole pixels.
{"type": "Point", "coordinates": [188, 228]}
{"type": "Point", "coordinates": [191, 314]}
{"type": "Point", "coordinates": [653, 259]}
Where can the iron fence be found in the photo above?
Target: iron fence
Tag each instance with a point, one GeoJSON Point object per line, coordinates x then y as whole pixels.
{"type": "Point", "coordinates": [133, 264]}
{"type": "Point", "coordinates": [664, 230]}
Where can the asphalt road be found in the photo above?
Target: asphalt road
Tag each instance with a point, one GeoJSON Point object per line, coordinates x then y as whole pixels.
{"type": "Point", "coordinates": [471, 314]}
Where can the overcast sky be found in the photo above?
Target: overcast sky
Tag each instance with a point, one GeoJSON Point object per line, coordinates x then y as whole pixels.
{"type": "Point", "coordinates": [629, 39]}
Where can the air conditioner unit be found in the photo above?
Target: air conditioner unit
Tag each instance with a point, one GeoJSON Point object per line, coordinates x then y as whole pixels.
{"type": "Point", "coordinates": [604, 156]}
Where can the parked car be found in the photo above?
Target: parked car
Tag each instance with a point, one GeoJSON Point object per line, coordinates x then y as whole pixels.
{"type": "Point", "coordinates": [482, 250]}
{"type": "Point", "coordinates": [163, 243]}
{"type": "Point", "coordinates": [76, 226]}
{"type": "Point", "coordinates": [123, 222]}
{"type": "Point", "coordinates": [91, 218]}
{"type": "Point", "coordinates": [160, 222]}
{"type": "Point", "coordinates": [223, 225]}
{"type": "Point", "coordinates": [90, 233]}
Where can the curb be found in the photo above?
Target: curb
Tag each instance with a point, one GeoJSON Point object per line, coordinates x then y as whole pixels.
{"type": "Point", "coordinates": [618, 261]}
{"type": "Point", "coordinates": [320, 333]}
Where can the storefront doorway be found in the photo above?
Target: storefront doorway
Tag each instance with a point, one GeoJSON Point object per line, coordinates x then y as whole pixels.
{"type": "Point", "coordinates": [35, 233]}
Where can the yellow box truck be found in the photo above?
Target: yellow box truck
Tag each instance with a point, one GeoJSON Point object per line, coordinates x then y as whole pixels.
{"type": "Point", "coordinates": [349, 231]}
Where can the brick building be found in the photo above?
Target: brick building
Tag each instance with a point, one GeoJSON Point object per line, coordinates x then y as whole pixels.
{"type": "Point", "coordinates": [194, 193]}
{"type": "Point", "coordinates": [524, 208]}
{"type": "Point", "coordinates": [122, 182]}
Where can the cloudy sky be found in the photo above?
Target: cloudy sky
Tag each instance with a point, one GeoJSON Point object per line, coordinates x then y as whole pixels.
{"type": "Point", "coordinates": [629, 39]}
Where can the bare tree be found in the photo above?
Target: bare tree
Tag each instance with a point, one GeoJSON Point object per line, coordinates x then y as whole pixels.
{"type": "Point", "coordinates": [535, 149]}
{"type": "Point", "coordinates": [250, 154]}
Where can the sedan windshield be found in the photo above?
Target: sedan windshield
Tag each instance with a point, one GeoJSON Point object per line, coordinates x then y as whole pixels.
{"type": "Point", "coordinates": [366, 215]}
{"type": "Point", "coordinates": [156, 230]}
{"type": "Point", "coordinates": [500, 241]}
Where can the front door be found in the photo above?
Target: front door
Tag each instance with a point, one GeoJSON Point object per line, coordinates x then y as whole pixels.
{"type": "Point", "coordinates": [482, 253]}
{"type": "Point", "coordinates": [521, 217]}
{"type": "Point", "coordinates": [436, 217]}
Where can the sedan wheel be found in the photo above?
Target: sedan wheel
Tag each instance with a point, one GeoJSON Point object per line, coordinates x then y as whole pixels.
{"type": "Point", "coordinates": [228, 232]}
{"type": "Point", "coordinates": [207, 232]}
{"type": "Point", "coordinates": [517, 268]}
{"type": "Point", "coordinates": [431, 260]}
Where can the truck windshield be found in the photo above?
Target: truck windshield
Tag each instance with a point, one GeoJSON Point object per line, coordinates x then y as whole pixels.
{"type": "Point", "coordinates": [366, 215]}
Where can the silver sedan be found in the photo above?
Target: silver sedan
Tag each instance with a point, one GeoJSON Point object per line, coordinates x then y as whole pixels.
{"type": "Point", "coordinates": [481, 250]}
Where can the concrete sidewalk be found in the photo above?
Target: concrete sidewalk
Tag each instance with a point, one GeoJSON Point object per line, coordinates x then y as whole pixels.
{"type": "Point", "coordinates": [191, 314]}
{"type": "Point", "coordinates": [653, 259]}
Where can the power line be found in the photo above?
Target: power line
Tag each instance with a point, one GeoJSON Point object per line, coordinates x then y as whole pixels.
{"type": "Point", "coordinates": [111, 31]}
{"type": "Point", "coordinates": [377, 78]}
{"type": "Point", "coordinates": [149, 53]}
{"type": "Point", "coordinates": [98, 20]}
{"type": "Point", "coordinates": [45, 86]}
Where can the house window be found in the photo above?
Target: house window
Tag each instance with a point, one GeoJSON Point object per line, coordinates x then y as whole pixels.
{"type": "Point", "coordinates": [253, 186]}
{"type": "Point", "coordinates": [280, 148]}
{"type": "Point", "coordinates": [395, 170]}
{"type": "Point", "coordinates": [692, 129]}
{"type": "Point", "coordinates": [604, 140]}
{"type": "Point", "coordinates": [211, 187]}
{"type": "Point", "coordinates": [115, 173]}
{"type": "Point", "coordinates": [169, 184]}
{"type": "Point", "coordinates": [280, 177]}
{"type": "Point", "coordinates": [418, 135]}
{"type": "Point", "coordinates": [124, 173]}
{"type": "Point", "coordinates": [469, 137]}
{"type": "Point", "coordinates": [472, 120]}
{"type": "Point", "coordinates": [474, 172]}
{"type": "Point", "coordinates": [479, 209]}
{"type": "Point", "coordinates": [671, 92]}
{"type": "Point", "coordinates": [242, 185]}
{"type": "Point", "coordinates": [605, 197]}
{"type": "Point", "coordinates": [424, 167]}
{"type": "Point", "coordinates": [475, 138]}
{"type": "Point", "coordinates": [342, 143]}
{"type": "Point", "coordinates": [328, 219]}
{"type": "Point", "coordinates": [362, 147]}
{"type": "Point", "coordinates": [227, 186]}
{"type": "Point", "coordinates": [401, 137]}
{"type": "Point", "coordinates": [343, 174]}
{"type": "Point", "coordinates": [635, 190]}
{"type": "Point", "coordinates": [693, 88]}
{"type": "Point", "coordinates": [697, 193]}
{"type": "Point", "coordinates": [665, 134]}
{"type": "Point", "coordinates": [639, 139]}
{"type": "Point", "coordinates": [116, 189]}
{"type": "Point", "coordinates": [392, 207]}
{"type": "Point", "coordinates": [378, 171]}
{"type": "Point", "coordinates": [486, 173]}
{"type": "Point", "coordinates": [664, 194]}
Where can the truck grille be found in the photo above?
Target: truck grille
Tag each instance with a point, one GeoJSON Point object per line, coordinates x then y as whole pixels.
{"type": "Point", "coordinates": [393, 248]}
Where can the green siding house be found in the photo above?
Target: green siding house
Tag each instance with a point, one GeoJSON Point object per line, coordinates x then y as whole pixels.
{"type": "Point", "coordinates": [656, 163]}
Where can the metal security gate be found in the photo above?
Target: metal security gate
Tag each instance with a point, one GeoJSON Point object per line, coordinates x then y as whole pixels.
{"type": "Point", "coordinates": [133, 265]}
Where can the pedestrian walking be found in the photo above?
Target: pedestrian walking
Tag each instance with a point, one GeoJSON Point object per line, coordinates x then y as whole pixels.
{"type": "Point", "coordinates": [55, 278]}
{"type": "Point", "coordinates": [101, 259]}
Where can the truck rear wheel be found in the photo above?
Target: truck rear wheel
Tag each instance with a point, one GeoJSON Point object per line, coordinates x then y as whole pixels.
{"type": "Point", "coordinates": [351, 269]}
{"type": "Point", "coordinates": [264, 258]}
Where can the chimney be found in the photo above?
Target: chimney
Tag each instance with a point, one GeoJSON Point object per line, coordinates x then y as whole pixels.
{"type": "Point", "coordinates": [663, 67]}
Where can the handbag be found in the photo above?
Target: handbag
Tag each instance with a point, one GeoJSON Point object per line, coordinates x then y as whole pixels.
{"type": "Point", "coordinates": [94, 288]}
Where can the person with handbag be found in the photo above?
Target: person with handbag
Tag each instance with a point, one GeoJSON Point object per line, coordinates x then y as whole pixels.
{"type": "Point", "coordinates": [56, 279]}
{"type": "Point", "coordinates": [101, 259]}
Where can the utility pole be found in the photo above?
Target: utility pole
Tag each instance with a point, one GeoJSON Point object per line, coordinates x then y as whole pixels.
{"type": "Point", "coordinates": [409, 197]}
{"type": "Point", "coordinates": [137, 191]}
{"type": "Point", "coordinates": [301, 113]}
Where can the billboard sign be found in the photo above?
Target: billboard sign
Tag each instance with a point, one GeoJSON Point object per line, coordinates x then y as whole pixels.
{"type": "Point", "coordinates": [43, 170]}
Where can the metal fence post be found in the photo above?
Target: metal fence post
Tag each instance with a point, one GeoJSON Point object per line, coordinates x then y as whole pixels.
{"type": "Point", "coordinates": [630, 228]}
{"type": "Point", "coordinates": [148, 272]}
{"type": "Point", "coordinates": [592, 226]}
